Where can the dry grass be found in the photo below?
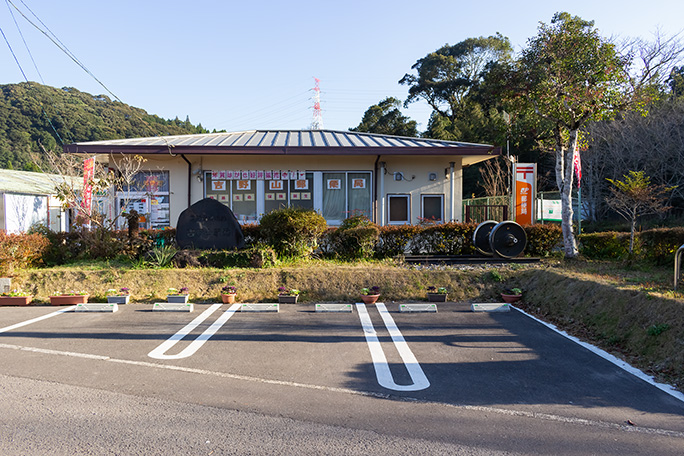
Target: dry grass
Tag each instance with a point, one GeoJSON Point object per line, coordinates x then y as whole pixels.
{"type": "Point", "coordinates": [319, 282]}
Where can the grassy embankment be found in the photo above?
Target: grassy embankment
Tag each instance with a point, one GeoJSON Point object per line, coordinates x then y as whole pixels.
{"type": "Point", "coordinates": [629, 311]}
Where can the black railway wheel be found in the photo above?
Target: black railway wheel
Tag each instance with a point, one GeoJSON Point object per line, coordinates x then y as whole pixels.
{"type": "Point", "coordinates": [507, 239]}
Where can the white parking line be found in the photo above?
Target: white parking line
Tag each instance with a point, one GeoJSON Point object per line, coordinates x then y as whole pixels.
{"type": "Point", "coordinates": [33, 320]}
{"type": "Point", "coordinates": [373, 394]}
{"type": "Point", "coordinates": [159, 352]}
{"type": "Point", "coordinates": [669, 389]}
{"type": "Point", "coordinates": [382, 370]}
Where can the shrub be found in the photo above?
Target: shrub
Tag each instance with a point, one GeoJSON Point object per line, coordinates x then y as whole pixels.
{"type": "Point", "coordinates": [20, 250]}
{"type": "Point", "coordinates": [609, 245]}
{"type": "Point", "coordinates": [292, 232]}
{"type": "Point", "coordinates": [261, 256]}
{"type": "Point", "coordinates": [161, 256]}
{"type": "Point", "coordinates": [355, 238]}
{"type": "Point", "coordinates": [101, 244]}
{"type": "Point", "coordinates": [325, 242]}
{"type": "Point", "coordinates": [660, 244]}
{"type": "Point", "coordinates": [445, 239]}
{"type": "Point", "coordinates": [252, 233]}
{"type": "Point", "coordinates": [542, 239]}
{"type": "Point", "coordinates": [187, 259]}
{"type": "Point", "coordinates": [258, 256]}
{"type": "Point", "coordinates": [395, 239]}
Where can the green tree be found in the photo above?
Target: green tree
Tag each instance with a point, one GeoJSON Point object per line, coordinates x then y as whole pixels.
{"type": "Point", "coordinates": [636, 196]}
{"type": "Point", "coordinates": [676, 82]}
{"type": "Point", "coordinates": [567, 76]}
{"type": "Point", "coordinates": [386, 118]}
{"type": "Point", "coordinates": [34, 117]}
{"type": "Point", "coordinates": [453, 81]}
{"type": "Point", "coordinates": [445, 77]}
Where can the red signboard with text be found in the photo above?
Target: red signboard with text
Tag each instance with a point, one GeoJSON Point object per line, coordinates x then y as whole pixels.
{"type": "Point", "coordinates": [525, 191]}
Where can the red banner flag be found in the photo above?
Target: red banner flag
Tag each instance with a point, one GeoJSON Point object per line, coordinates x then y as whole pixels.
{"type": "Point", "coordinates": [88, 174]}
{"type": "Point", "coordinates": [577, 162]}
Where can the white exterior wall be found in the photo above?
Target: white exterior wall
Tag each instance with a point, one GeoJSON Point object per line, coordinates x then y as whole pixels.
{"type": "Point", "coordinates": [416, 182]}
{"type": "Point", "coordinates": [416, 170]}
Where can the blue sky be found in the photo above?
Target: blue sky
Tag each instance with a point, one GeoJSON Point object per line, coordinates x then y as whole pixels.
{"type": "Point", "coordinates": [250, 65]}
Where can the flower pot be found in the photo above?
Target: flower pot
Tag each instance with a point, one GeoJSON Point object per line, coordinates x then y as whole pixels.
{"type": "Point", "coordinates": [118, 299]}
{"type": "Point", "coordinates": [437, 297]}
{"type": "Point", "coordinates": [68, 300]}
{"type": "Point", "coordinates": [287, 299]}
{"type": "Point", "coordinates": [182, 299]}
{"type": "Point", "coordinates": [15, 300]}
{"type": "Point", "coordinates": [370, 299]}
{"type": "Point", "coordinates": [228, 298]}
{"type": "Point", "coordinates": [509, 298]}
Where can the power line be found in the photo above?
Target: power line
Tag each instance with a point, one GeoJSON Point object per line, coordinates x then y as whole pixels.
{"type": "Point", "coordinates": [42, 108]}
{"type": "Point", "coordinates": [61, 46]}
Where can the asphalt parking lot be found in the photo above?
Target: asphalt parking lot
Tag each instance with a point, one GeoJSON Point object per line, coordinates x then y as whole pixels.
{"type": "Point", "coordinates": [421, 372]}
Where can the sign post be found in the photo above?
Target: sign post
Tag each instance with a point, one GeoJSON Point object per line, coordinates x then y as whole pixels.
{"type": "Point", "coordinates": [525, 190]}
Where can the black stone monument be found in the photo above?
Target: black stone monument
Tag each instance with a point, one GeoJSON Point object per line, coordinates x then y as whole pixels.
{"type": "Point", "coordinates": [208, 224]}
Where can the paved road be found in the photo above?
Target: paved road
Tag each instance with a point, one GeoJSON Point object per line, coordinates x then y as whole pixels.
{"type": "Point", "coordinates": [301, 382]}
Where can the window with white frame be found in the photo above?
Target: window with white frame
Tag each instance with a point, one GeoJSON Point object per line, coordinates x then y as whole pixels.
{"type": "Point", "coordinates": [345, 193]}
{"type": "Point", "coordinates": [398, 209]}
{"type": "Point", "coordinates": [432, 207]}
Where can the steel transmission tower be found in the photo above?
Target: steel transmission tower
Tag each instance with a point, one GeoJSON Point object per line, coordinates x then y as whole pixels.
{"type": "Point", "coordinates": [317, 122]}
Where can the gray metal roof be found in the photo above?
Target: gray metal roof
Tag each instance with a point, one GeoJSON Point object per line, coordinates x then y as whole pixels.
{"type": "Point", "coordinates": [26, 182]}
{"type": "Point", "coordinates": [295, 142]}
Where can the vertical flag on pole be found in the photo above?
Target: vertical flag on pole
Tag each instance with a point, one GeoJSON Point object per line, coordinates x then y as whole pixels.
{"type": "Point", "coordinates": [87, 196]}
{"type": "Point", "coordinates": [577, 162]}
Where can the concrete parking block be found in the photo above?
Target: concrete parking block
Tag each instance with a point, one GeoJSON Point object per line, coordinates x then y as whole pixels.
{"type": "Point", "coordinates": [490, 307]}
{"type": "Point", "coordinates": [334, 308]}
{"type": "Point", "coordinates": [173, 307]}
{"type": "Point", "coordinates": [417, 307]}
{"type": "Point", "coordinates": [260, 307]}
{"type": "Point", "coordinates": [97, 307]}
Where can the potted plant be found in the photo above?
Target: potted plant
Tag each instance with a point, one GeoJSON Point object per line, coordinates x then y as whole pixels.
{"type": "Point", "coordinates": [512, 296]}
{"type": "Point", "coordinates": [437, 294]}
{"type": "Point", "coordinates": [177, 296]}
{"type": "Point", "coordinates": [69, 299]}
{"type": "Point", "coordinates": [15, 298]}
{"type": "Point", "coordinates": [287, 295]}
{"type": "Point", "coordinates": [370, 295]}
{"type": "Point", "coordinates": [228, 294]}
{"type": "Point", "coordinates": [118, 297]}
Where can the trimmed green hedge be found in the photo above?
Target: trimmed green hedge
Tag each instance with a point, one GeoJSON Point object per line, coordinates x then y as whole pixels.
{"type": "Point", "coordinates": [657, 245]}
{"type": "Point", "coordinates": [297, 233]}
{"type": "Point", "coordinates": [542, 239]}
{"type": "Point", "coordinates": [604, 246]}
{"type": "Point", "coordinates": [258, 256]}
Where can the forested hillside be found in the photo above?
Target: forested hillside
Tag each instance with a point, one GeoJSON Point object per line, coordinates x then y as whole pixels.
{"type": "Point", "coordinates": [32, 115]}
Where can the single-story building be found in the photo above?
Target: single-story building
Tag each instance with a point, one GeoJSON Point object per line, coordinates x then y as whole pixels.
{"type": "Point", "coordinates": [390, 179]}
{"type": "Point", "coordinates": [28, 198]}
